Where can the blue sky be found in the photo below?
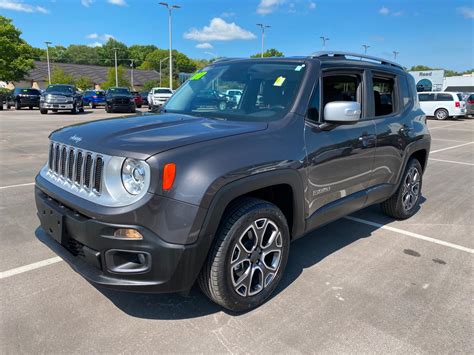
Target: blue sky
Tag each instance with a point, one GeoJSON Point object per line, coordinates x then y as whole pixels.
{"type": "Point", "coordinates": [429, 32]}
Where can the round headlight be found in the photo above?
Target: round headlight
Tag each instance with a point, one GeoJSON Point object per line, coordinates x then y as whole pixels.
{"type": "Point", "coordinates": [133, 176]}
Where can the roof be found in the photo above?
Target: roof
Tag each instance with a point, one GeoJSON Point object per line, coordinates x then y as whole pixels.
{"type": "Point", "coordinates": [96, 73]}
{"type": "Point", "coordinates": [460, 88]}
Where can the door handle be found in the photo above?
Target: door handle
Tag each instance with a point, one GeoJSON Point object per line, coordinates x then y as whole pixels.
{"type": "Point", "coordinates": [367, 139]}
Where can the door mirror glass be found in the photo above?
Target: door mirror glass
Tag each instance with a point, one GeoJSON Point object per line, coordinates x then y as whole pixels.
{"type": "Point", "coordinates": [342, 112]}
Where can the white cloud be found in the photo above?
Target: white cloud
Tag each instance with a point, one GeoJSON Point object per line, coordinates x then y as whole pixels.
{"type": "Point", "coordinates": [205, 45]}
{"type": "Point", "coordinates": [95, 44]}
{"type": "Point", "coordinates": [18, 5]}
{"type": "Point", "coordinates": [118, 2]}
{"type": "Point", "coordinates": [384, 11]}
{"type": "Point", "coordinates": [266, 7]}
{"type": "Point", "coordinates": [227, 14]}
{"type": "Point", "coordinates": [219, 30]}
{"type": "Point", "coordinates": [87, 3]}
{"type": "Point", "coordinates": [398, 13]}
{"type": "Point", "coordinates": [467, 12]}
{"type": "Point", "coordinates": [312, 5]}
{"type": "Point", "coordinates": [93, 36]}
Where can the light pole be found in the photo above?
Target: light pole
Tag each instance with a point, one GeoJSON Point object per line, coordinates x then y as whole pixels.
{"type": "Point", "coordinates": [161, 61]}
{"type": "Point", "coordinates": [324, 39]}
{"type": "Point", "coordinates": [262, 26]}
{"type": "Point", "coordinates": [131, 78]}
{"type": "Point", "coordinates": [395, 53]}
{"type": "Point", "coordinates": [116, 72]}
{"type": "Point", "coordinates": [170, 7]}
{"type": "Point", "coordinates": [365, 48]}
{"type": "Point", "coordinates": [47, 59]}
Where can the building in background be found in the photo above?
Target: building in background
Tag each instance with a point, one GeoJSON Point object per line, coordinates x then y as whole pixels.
{"type": "Point", "coordinates": [435, 80]}
{"type": "Point", "coordinates": [38, 76]}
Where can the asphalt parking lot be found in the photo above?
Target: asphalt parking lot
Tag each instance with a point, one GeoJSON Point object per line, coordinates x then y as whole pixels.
{"type": "Point", "coordinates": [362, 284]}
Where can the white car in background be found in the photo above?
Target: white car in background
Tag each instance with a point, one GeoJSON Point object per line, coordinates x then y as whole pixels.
{"type": "Point", "coordinates": [234, 95]}
{"type": "Point", "coordinates": [158, 96]}
{"type": "Point", "coordinates": [442, 105]}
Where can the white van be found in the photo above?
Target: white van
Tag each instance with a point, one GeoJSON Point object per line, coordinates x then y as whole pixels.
{"type": "Point", "coordinates": [442, 105]}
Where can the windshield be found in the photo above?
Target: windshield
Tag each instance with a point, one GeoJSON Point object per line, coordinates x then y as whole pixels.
{"type": "Point", "coordinates": [162, 91]}
{"type": "Point", "coordinates": [118, 91]}
{"type": "Point", "coordinates": [266, 91]}
{"type": "Point", "coordinates": [60, 88]}
{"type": "Point", "coordinates": [29, 92]}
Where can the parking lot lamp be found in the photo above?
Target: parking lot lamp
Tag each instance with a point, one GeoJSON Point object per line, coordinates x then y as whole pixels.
{"type": "Point", "coordinates": [131, 75]}
{"type": "Point", "coordinates": [170, 8]}
{"type": "Point", "coordinates": [324, 39]}
{"type": "Point", "coordinates": [47, 59]}
{"type": "Point", "coordinates": [161, 61]}
{"type": "Point", "coordinates": [262, 26]}
{"type": "Point", "coordinates": [365, 48]}
{"type": "Point", "coordinates": [395, 53]}
{"type": "Point", "coordinates": [116, 72]}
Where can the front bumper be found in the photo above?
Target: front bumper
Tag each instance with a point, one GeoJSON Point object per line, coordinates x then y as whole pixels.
{"type": "Point", "coordinates": [89, 247]}
{"type": "Point", "coordinates": [53, 106]}
{"type": "Point", "coordinates": [28, 102]}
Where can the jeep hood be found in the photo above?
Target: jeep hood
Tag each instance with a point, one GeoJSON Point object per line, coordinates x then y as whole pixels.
{"type": "Point", "coordinates": [143, 136]}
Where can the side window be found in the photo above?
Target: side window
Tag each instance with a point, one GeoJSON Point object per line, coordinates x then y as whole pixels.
{"type": "Point", "coordinates": [340, 88]}
{"type": "Point", "coordinates": [314, 105]}
{"type": "Point", "coordinates": [404, 90]}
{"type": "Point", "coordinates": [444, 97]}
{"type": "Point", "coordinates": [426, 97]}
{"type": "Point", "coordinates": [384, 96]}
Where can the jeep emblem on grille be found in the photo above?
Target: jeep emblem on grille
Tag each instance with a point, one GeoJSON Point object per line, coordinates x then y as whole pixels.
{"type": "Point", "coordinates": [75, 138]}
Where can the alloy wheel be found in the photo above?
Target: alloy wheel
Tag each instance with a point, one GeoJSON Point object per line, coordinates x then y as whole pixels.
{"type": "Point", "coordinates": [411, 190]}
{"type": "Point", "coordinates": [256, 257]}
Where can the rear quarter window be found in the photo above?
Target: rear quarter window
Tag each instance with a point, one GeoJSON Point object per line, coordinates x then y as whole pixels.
{"type": "Point", "coordinates": [405, 91]}
{"type": "Point", "coordinates": [444, 97]}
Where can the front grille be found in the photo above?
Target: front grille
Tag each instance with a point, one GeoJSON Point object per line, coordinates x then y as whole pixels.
{"type": "Point", "coordinates": [82, 168]}
{"type": "Point", "coordinates": [75, 247]}
{"type": "Point", "coordinates": [121, 101]}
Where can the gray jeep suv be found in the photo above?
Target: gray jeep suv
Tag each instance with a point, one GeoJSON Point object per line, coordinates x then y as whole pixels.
{"type": "Point", "coordinates": [215, 193]}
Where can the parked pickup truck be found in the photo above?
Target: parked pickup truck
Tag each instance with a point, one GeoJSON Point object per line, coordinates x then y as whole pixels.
{"type": "Point", "coordinates": [214, 195]}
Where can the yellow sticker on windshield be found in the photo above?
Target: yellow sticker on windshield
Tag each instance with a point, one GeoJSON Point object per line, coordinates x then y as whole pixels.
{"type": "Point", "coordinates": [279, 81]}
{"type": "Point", "coordinates": [198, 75]}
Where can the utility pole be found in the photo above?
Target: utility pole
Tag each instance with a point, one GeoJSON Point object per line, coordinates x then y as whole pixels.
{"type": "Point", "coordinates": [365, 48]}
{"type": "Point", "coordinates": [170, 7]}
{"type": "Point", "coordinates": [47, 59]}
{"type": "Point", "coordinates": [161, 61]}
{"type": "Point", "coordinates": [395, 53]}
{"type": "Point", "coordinates": [324, 39]}
{"type": "Point", "coordinates": [262, 26]}
{"type": "Point", "coordinates": [116, 71]}
{"type": "Point", "coordinates": [131, 79]}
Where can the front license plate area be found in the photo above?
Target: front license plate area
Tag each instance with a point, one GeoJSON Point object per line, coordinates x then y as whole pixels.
{"type": "Point", "coordinates": [53, 223]}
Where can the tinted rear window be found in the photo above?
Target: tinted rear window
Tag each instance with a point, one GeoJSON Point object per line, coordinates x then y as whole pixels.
{"type": "Point", "coordinates": [162, 91]}
{"type": "Point", "coordinates": [444, 97]}
{"type": "Point", "coordinates": [459, 97]}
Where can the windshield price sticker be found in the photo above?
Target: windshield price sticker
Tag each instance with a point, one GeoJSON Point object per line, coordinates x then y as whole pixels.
{"type": "Point", "coordinates": [279, 81]}
{"type": "Point", "coordinates": [198, 76]}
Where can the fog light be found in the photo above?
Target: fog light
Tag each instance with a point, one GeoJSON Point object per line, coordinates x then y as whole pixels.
{"type": "Point", "coordinates": [127, 233]}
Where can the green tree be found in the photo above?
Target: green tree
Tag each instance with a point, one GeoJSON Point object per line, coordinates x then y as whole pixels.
{"type": "Point", "coordinates": [58, 54]}
{"type": "Point", "coordinates": [111, 78]}
{"type": "Point", "coordinates": [15, 53]}
{"type": "Point", "coordinates": [107, 54]}
{"type": "Point", "coordinates": [84, 83]}
{"type": "Point", "coordinates": [59, 76]}
{"type": "Point", "coordinates": [272, 52]}
{"type": "Point", "coordinates": [80, 54]}
{"type": "Point", "coordinates": [139, 52]}
{"type": "Point", "coordinates": [150, 84]}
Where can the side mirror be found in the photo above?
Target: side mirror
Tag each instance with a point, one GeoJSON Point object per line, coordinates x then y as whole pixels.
{"type": "Point", "coordinates": [342, 112]}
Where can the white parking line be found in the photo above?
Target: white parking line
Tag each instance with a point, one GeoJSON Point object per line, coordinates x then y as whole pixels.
{"type": "Point", "coordinates": [456, 146]}
{"type": "Point", "coordinates": [29, 267]}
{"type": "Point", "coordinates": [446, 125]}
{"type": "Point", "coordinates": [452, 161]}
{"type": "Point", "coordinates": [19, 185]}
{"type": "Point", "coordinates": [411, 234]}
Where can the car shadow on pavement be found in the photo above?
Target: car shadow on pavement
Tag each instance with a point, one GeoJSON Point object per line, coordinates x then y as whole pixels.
{"type": "Point", "coordinates": [304, 253]}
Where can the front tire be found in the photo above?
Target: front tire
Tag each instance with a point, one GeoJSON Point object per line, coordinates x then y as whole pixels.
{"type": "Point", "coordinates": [441, 114]}
{"type": "Point", "coordinates": [17, 106]}
{"type": "Point", "coordinates": [43, 111]}
{"type": "Point", "coordinates": [249, 255]}
{"type": "Point", "coordinates": [405, 201]}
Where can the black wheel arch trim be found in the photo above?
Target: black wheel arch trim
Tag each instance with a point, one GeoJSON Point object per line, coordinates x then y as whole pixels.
{"type": "Point", "coordinates": [218, 202]}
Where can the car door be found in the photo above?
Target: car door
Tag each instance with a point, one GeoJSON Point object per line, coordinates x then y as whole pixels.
{"type": "Point", "coordinates": [390, 110]}
{"type": "Point", "coordinates": [339, 156]}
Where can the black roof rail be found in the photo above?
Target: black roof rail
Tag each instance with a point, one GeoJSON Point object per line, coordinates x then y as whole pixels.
{"type": "Point", "coordinates": [337, 54]}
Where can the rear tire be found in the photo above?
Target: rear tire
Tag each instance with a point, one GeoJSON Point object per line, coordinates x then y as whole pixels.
{"type": "Point", "coordinates": [405, 201]}
{"type": "Point", "coordinates": [93, 106]}
{"type": "Point", "coordinates": [43, 111]}
{"type": "Point", "coordinates": [249, 255]}
{"type": "Point", "coordinates": [441, 114]}
{"type": "Point", "coordinates": [17, 106]}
